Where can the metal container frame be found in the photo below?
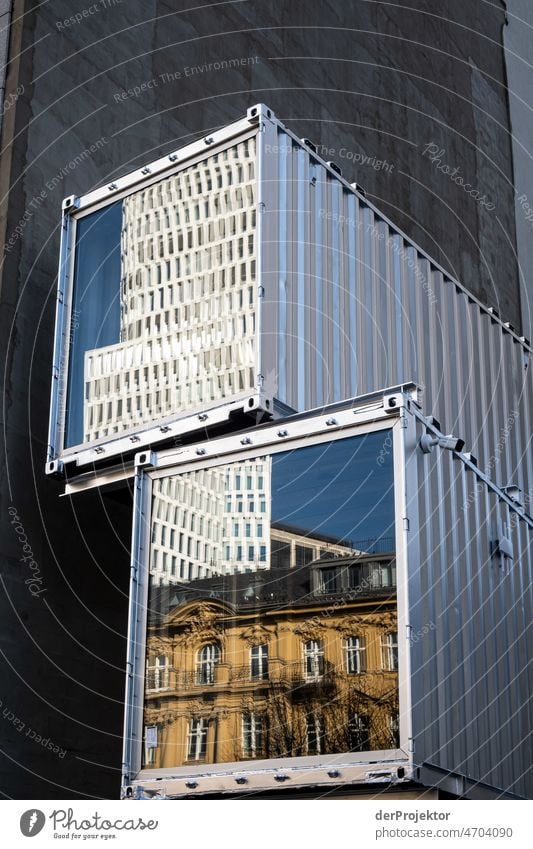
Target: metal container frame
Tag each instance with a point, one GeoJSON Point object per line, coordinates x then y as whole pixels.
{"type": "Point", "coordinates": [371, 414]}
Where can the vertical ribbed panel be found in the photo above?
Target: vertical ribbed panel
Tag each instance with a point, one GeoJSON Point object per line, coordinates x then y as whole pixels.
{"type": "Point", "coordinates": [358, 308]}
{"type": "Point", "coordinates": [472, 675]}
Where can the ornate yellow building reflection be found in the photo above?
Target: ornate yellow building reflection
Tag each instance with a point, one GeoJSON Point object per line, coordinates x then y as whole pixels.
{"type": "Point", "coordinates": [275, 664]}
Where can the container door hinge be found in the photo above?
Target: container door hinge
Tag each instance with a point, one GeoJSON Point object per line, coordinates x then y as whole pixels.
{"type": "Point", "coordinates": [260, 291]}
{"type": "Point", "coordinates": [403, 421]}
{"type": "Point", "coordinates": [405, 523]}
{"type": "Point", "coordinates": [261, 206]}
{"type": "Point", "coordinates": [411, 745]}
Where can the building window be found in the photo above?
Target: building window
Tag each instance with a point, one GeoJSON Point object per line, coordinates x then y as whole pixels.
{"type": "Point", "coordinates": [252, 735]}
{"type": "Point", "coordinates": [158, 673]}
{"type": "Point", "coordinates": [355, 577]}
{"type": "Point", "coordinates": [313, 659]}
{"type": "Point", "coordinates": [304, 555]}
{"type": "Point", "coordinates": [280, 553]}
{"type": "Point", "coordinates": [150, 744]}
{"type": "Point", "coordinates": [355, 655]}
{"type": "Point", "coordinates": [382, 574]}
{"type": "Point", "coordinates": [208, 657]}
{"type": "Point", "coordinates": [259, 662]}
{"type": "Point", "coordinates": [389, 651]}
{"type": "Point", "coordinates": [329, 581]}
{"type": "Point", "coordinates": [315, 734]}
{"type": "Point", "coordinates": [358, 732]}
{"type": "Point", "coordinates": [262, 553]}
{"type": "Point", "coordinates": [197, 740]}
{"type": "Point", "coordinates": [394, 725]}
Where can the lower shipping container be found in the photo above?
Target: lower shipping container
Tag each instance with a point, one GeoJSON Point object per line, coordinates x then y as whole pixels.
{"type": "Point", "coordinates": [340, 598]}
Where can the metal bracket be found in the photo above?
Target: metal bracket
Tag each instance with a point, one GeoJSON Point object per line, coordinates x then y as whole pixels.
{"type": "Point", "coordinates": [143, 460]}
{"type": "Point", "coordinates": [394, 402]}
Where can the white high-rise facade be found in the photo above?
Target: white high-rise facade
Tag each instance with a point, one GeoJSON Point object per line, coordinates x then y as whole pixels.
{"type": "Point", "coordinates": [187, 318]}
{"type": "Point", "coordinates": [211, 522]}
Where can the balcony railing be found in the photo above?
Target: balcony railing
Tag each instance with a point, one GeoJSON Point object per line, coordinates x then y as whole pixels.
{"type": "Point", "coordinates": [277, 673]}
{"type": "Point", "coordinates": [373, 545]}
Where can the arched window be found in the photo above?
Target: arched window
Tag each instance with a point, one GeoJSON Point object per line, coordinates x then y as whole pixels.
{"type": "Point", "coordinates": [208, 657]}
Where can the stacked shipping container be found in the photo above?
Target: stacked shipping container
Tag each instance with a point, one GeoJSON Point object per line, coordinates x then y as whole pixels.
{"type": "Point", "coordinates": [322, 300]}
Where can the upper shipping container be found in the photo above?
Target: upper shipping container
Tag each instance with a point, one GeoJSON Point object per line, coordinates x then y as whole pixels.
{"type": "Point", "coordinates": [243, 273]}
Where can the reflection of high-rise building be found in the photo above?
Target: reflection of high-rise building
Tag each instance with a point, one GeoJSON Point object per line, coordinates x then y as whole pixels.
{"type": "Point", "coordinates": [247, 513]}
{"type": "Point", "coordinates": [217, 521]}
{"type": "Point", "coordinates": [187, 525]}
{"type": "Point", "coordinates": [187, 317]}
{"type": "Point", "coordinates": [211, 522]}
{"type": "Point", "coordinates": [318, 675]}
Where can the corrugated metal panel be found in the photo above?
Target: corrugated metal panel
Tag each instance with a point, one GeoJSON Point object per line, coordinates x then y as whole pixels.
{"type": "Point", "coordinates": [471, 611]}
{"type": "Point", "coordinates": [357, 307]}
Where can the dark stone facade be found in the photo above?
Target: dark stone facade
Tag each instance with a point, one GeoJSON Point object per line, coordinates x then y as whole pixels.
{"type": "Point", "coordinates": [128, 81]}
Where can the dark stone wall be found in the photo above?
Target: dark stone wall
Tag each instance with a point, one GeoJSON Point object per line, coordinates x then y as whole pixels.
{"type": "Point", "coordinates": [374, 82]}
